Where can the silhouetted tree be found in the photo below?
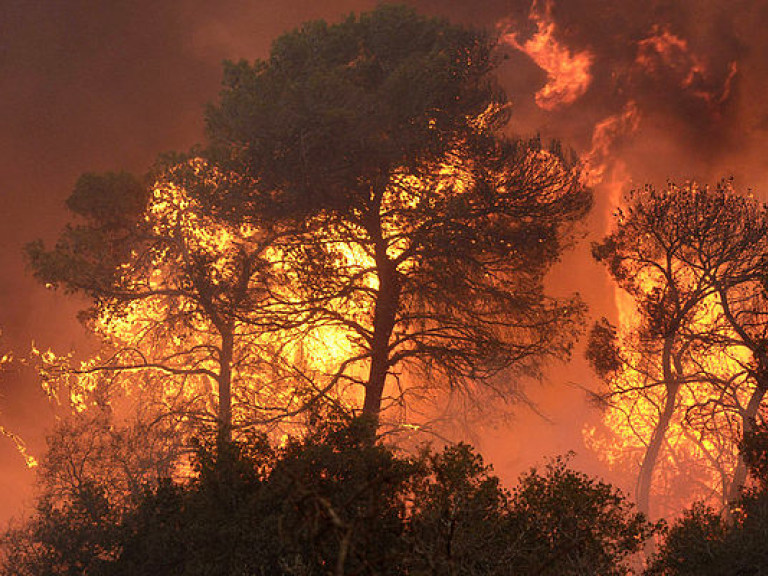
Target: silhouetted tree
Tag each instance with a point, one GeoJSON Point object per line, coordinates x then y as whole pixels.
{"type": "Point", "coordinates": [705, 543]}
{"type": "Point", "coordinates": [81, 535]}
{"type": "Point", "coordinates": [694, 260]}
{"type": "Point", "coordinates": [419, 230]}
{"type": "Point", "coordinates": [556, 521]}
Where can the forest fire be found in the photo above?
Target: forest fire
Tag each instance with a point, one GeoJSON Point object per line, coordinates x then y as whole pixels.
{"type": "Point", "coordinates": [380, 243]}
{"type": "Point", "coordinates": [687, 378]}
{"type": "Point", "coordinates": [692, 456]}
{"type": "Point", "coordinates": [698, 458]}
{"type": "Point", "coordinates": [163, 335]}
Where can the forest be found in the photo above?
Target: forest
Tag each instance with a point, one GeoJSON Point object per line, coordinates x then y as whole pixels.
{"type": "Point", "coordinates": [292, 316]}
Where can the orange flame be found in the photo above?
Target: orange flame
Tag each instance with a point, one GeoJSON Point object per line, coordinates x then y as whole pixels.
{"type": "Point", "coordinates": [568, 73]}
{"type": "Point", "coordinates": [604, 136]}
{"type": "Point", "coordinates": [665, 51]}
{"type": "Point", "coordinates": [696, 462]}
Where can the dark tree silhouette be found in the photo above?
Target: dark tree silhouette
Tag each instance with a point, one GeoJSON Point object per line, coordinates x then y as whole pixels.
{"type": "Point", "coordinates": [333, 502]}
{"type": "Point", "coordinates": [693, 259]}
{"type": "Point", "coordinates": [418, 228]}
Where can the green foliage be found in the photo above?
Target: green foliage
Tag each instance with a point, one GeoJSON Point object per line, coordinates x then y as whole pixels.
{"type": "Point", "coordinates": [754, 450]}
{"type": "Point", "coordinates": [87, 256]}
{"type": "Point", "coordinates": [112, 200]}
{"type": "Point", "coordinates": [572, 524]}
{"type": "Point", "coordinates": [703, 543]}
{"type": "Point", "coordinates": [82, 535]}
{"type": "Point", "coordinates": [602, 350]}
{"type": "Point", "coordinates": [459, 519]}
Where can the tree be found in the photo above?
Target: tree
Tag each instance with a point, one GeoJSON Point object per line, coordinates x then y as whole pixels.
{"type": "Point", "coordinates": [184, 304]}
{"type": "Point", "coordinates": [570, 523]}
{"type": "Point", "coordinates": [556, 521]}
{"type": "Point", "coordinates": [95, 472]}
{"type": "Point", "coordinates": [418, 230]}
{"type": "Point", "coordinates": [693, 259]}
{"type": "Point", "coordinates": [705, 543]}
{"type": "Point", "coordinates": [79, 537]}
{"type": "Point", "coordinates": [333, 502]}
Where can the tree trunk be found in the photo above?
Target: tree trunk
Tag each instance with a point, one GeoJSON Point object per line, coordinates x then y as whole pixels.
{"type": "Point", "coordinates": [386, 307]}
{"type": "Point", "coordinates": [383, 323]}
{"type": "Point", "coordinates": [645, 478]}
{"type": "Point", "coordinates": [225, 388]}
{"type": "Point", "coordinates": [740, 472]}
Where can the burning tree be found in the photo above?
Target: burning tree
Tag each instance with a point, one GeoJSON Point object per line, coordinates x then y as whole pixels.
{"type": "Point", "coordinates": [417, 228]}
{"type": "Point", "coordinates": [357, 216]}
{"type": "Point", "coordinates": [690, 376]}
{"type": "Point", "coordinates": [181, 302]}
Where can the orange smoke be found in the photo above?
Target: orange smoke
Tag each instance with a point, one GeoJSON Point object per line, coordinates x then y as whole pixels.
{"type": "Point", "coordinates": [604, 136]}
{"type": "Point", "coordinates": [665, 52]}
{"type": "Point", "coordinates": [568, 73]}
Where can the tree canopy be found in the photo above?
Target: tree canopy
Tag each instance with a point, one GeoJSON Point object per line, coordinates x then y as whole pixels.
{"type": "Point", "coordinates": [357, 190]}
{"type": "Point", "coordinates": [690, 374]}
{"type": "Point", "coordinates": [419, 229]}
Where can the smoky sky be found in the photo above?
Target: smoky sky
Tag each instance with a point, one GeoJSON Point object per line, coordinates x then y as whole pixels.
{"type": "Point", "coordinates": [95, 86]}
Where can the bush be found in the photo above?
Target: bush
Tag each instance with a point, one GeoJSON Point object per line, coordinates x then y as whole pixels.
{"type": "Point", "coordinates": [335, 502]}
{"type": "Point", "coordinates": [705, 543]}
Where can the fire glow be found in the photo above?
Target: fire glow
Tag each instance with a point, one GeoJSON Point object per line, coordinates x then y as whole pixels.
{"type": "Point", "coordinates": [664, 56]}
{"type": "Point", "coordinates": [568, 72]}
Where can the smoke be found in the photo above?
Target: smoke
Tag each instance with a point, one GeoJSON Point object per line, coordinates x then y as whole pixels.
{"type": "Point", "coordinates": [648, 91]}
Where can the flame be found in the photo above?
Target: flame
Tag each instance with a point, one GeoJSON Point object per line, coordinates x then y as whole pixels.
{"type": "Point", "coordinates": [697, 461]}
{"type": "Point", "coordinates": [664, 51]}
{"type": "Point", "coordinates": [7, 360]}
{"type": "Point", "coordinates": [568, 73]}
{"type": "Point", "coordinates": [604, 136]}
